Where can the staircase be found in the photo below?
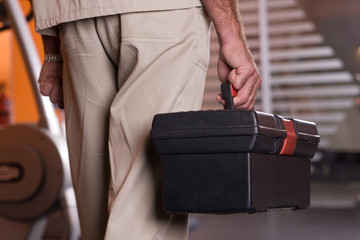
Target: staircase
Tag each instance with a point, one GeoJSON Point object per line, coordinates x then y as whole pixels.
{"type": "Point", "coordinates": [308, 81]}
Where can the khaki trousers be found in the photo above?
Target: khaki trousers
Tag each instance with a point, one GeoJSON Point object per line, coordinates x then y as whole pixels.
{"type": "Point", "coordinates": [119, 71]}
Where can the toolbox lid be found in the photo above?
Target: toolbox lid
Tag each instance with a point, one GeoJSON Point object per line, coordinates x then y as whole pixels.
{"type": "Point", "coordinates": [219, 131]}
{"type": "Point", "coordinates": [216, 123]}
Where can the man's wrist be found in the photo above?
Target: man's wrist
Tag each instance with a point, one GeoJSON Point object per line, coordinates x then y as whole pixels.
{"type": "Point", "coordinates": [53, 58]}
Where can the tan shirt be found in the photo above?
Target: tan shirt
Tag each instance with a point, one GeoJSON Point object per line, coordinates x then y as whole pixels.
{"type": "Point", "coordinates": [50, 13]}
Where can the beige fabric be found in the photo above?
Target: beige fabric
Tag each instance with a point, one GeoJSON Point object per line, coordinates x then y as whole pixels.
{"type": "Point", "coordinates": [119, 72]}
{"type": "Point", "coordinates": [50, 13]}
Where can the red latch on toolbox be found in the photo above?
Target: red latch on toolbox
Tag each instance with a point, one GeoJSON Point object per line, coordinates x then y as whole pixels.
{"type": "Point", "coordinates": [291, 138]}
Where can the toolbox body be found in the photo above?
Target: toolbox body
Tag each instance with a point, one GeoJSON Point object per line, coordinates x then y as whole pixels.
{"type": "Point", "coordinates": [233, 161]}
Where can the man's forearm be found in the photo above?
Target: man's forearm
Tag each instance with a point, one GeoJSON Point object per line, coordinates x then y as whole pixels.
{"type": "Point", "coordinates": [235, 64]}
{"type": "Point", "coordinates": [226, 18]}
{"type": "Point", "coordinates": [51, 44]}
{"type": "Point", "coordinates": [52, 49]}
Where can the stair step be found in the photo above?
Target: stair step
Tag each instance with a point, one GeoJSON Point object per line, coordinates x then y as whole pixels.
{"type": "Point", "coordinates": [313, 92]}
{"type": "Point", "coordinates": [293, 106]}
{"type": "Point", "coordinates": [298, 53]}
{"type": "Point", "coordinates": [275, 16]}
{"type": "Point", "coordinates": [291, 54]}
{"type": "Point", "coordinates": [278, 42]}
{"type": "Point", "coordinates": [290, 41]}
{"type": "Point", "coordinates": [283, 28]}
{"type": "Point", "coordinates": [246, 6]}
{"type": "Point", "coordinates": [325, 131]}
{"type": "Point", "coordinates": [301, 79]}
{"type": "Point", "coordinates": [303, 66]}
{"type": "Point", "coordinates": [334, 117]}
{"type": "Point", "coordinates": [313, 78]}
{"type": "Point", "coordinates": [302, 53]}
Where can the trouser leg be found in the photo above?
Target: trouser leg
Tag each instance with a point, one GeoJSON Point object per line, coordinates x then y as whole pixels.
{"type": "Point", "coordinates": [162, 67]}
{"type": "Point", "coordinates": [89, 88]}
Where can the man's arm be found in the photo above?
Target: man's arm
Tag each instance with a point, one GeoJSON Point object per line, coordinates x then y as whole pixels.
{"type": "Point", "coordinates": [236, 63]}
{"type": "Point", "coordinates": [50, 80]}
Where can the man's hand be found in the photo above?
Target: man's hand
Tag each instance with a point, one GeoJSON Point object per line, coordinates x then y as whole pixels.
{"type": "Point", "coordinates": [235, 64]}
{"type": "Point", "coordinates": [50, 82]}
{"type": "Point", "coordinates": [50, 79]}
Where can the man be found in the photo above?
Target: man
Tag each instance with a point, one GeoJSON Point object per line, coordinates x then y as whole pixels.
{"type": "Point", "coordinates": [118, 63]}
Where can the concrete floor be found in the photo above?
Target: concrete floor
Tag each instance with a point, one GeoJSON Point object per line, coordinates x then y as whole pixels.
{"type": "Point", "coordinates": [310, 224]}
{"type": "Point", "coordinates": [334, 215]}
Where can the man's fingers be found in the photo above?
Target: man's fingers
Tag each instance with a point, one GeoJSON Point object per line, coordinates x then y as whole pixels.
{"type": "Point", "coordinates": [50, 87]}
{"type": "Point", "coordinates": [239, 78]}
{"type": "Point", "coordinates": [54, 94]}
{"type": "Point", "coordinates": [223, 71]}
{"type": "Point", "coordinates": [220, 100]}
{"type": "Point", "coordinates": [246, 96]}
{"type": "Point", "coordinates": [46, 86]}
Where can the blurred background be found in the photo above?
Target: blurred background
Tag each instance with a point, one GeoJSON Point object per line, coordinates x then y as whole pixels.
{"type": "Point", "coordinates": [308, 52]}
{"type": "Point", "coordinates": [313, 70]}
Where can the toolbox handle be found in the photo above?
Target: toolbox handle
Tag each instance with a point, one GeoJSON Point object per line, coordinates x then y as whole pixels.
{"type": "Point", "coordinates": [228, 92]}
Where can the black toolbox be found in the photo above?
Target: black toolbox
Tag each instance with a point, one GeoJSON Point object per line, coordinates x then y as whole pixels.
{"type": "Point", "coordinates": [232, 161]}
